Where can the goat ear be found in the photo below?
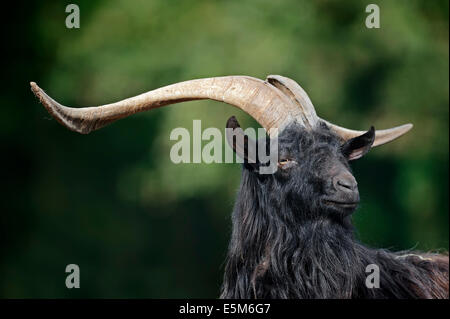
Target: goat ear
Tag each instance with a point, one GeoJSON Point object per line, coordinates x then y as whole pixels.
{"type": "Point", "coordinates": [242, 145]}
{"type": "Point", "coordinates": [358, 146]}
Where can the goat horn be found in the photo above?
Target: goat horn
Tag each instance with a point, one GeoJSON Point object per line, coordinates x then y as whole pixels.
{"type": "Point", "coordinates": [273, 104]}
{"type": "Point", "coordinates": [306, 113]}
{"type": "Point", "coordinates": [381, 136]}
{"type": "Point", "coordinates": [261, 100]}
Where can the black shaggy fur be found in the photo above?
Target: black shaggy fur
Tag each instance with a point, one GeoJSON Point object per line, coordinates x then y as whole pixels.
{"type": "Point", "coordinates": [289, 243]}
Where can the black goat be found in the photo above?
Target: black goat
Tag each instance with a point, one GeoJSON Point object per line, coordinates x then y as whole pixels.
{"type": "Point", "coordinates": [292, 233]}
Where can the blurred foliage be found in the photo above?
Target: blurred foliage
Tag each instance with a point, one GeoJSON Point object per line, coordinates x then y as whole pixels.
{"type": "Point", "coordinates": [139, 225]}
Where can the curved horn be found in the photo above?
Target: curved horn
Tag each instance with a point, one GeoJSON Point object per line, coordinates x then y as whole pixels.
{"type": "Point", "coordinates": [381, 136]}
{"type": "Point", "coordinates": [264, 102]}
{"type": "Point", "coordinates": [305, 113]}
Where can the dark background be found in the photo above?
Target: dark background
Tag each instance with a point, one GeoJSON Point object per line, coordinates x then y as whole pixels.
{"type": "Point", "coordinates": [139, 225]}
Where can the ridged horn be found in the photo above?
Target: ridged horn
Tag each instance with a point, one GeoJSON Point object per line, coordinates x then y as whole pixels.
{"type": "Point", "coordinates": [269, 106]}
{"type": "Point", "coordinates": [307, 116]}
{"type": "Point", "coordinates": [273, 103]}
{"type": "Point", "coordinates": [305, 113]}
{"type": "Point", "coordinates": [381, 136]}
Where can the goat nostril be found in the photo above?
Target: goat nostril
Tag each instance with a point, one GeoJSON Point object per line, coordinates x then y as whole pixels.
{"type": "Point", "coordinates": [345, 184]}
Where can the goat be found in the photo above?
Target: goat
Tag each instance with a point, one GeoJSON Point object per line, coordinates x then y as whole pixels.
{"type": "Point", "coordinates": [292, 234]}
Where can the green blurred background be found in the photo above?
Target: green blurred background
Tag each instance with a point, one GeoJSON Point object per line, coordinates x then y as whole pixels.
{"type": "Point", "coordinates": [139, 225]}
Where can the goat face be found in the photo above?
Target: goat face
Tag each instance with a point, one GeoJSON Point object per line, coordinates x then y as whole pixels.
{"type": "Point", "coordinates": [314, 170]}
{"type": "Point", "coordinates": [313, 176]}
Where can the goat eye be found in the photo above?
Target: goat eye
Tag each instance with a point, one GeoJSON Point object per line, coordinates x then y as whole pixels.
{"type": "Point", "coordinates": [286, 163]}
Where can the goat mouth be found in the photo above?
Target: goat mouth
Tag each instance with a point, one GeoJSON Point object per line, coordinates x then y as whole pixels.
{"type": "Point", "coordinates": [346, 205]}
